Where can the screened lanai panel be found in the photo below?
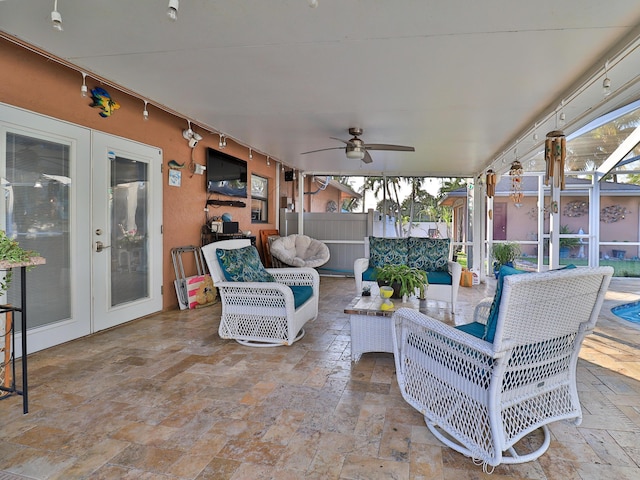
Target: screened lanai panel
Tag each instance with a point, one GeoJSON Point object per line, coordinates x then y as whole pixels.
{"type": "Point", "coordinates": [591, 145]}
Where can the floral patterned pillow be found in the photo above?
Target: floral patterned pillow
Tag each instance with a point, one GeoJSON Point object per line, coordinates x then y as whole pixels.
{"type": "Point", "coordinates": [429, 254]}
{"type": "Point", "coordinates": [387, 251]}
{"type": "Point", "coordinates": [242, 265]}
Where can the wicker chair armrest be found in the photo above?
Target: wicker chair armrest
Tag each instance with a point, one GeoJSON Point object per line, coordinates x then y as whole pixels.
{"type": "Point", "coordinates": [450, 334]}
{"type": "Point", "coordinates": [360, 265]}
{"type": "Point", "coordinates": [481, 312]}
{"type": "Point", "coordinates": [296, 276]}
{"type": "Point", "coordinates": [455, 270]}
{"type": "Point", "coordinates": [256, 289]}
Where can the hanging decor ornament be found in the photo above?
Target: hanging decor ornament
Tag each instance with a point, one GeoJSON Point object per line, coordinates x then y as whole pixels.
{"type": "Point", "coordinates": [491, 183]}
{"type": "Point", "coordinates": [555, 153]}
{"type": "Point", "coordinates": [515, 172]}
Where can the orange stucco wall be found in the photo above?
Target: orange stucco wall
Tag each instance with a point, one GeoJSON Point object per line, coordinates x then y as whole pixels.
{"type": "Point", "coordinates": [29, 81]}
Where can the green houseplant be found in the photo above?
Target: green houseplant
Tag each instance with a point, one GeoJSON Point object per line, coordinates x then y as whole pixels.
{"type": "Point", "coordinates": [566, 244]}
{"type": "Point", "coordinates": [504, 254]}
{"type": "Point", "coordinates": [404, 279]}
{"type": "Point", "coordinates": [11, 252]}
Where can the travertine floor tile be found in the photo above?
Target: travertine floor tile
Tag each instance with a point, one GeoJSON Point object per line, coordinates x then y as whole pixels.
{"type": "Point", "coordinates": [165, 398]}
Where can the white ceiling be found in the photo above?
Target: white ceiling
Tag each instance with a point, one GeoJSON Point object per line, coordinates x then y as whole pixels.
{"type": "Point", "coordinates": [459, 80]}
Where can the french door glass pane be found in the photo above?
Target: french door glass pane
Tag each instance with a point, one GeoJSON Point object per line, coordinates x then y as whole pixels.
{"type": "Point", "coordinates": [128, 204]}
{"type": "Point", "coordinates": [36, 186]}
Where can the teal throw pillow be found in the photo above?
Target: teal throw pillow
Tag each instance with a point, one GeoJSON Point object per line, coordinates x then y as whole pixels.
{"type": "Point", "coordinates": [387, 251]}
{"type": "Point", "coordinates": [242, 265]}
{"type": "Point", "coordinates": [429, 254]}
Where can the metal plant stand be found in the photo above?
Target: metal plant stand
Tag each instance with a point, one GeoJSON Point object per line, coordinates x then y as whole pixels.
{"type": "Point", "coordinates": [12, 388]}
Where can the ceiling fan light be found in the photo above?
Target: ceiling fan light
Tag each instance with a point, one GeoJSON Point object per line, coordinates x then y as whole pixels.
{"type": "Point", "coordinates": [355, 153]}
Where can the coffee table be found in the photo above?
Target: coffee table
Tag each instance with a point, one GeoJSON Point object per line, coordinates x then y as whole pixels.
{"type": "Point", "coordinates": [371, 326]}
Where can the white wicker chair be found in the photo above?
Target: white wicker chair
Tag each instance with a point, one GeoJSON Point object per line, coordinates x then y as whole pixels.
{"type": "Point", "coordinates": [482, 398]}
{"type": "Point", "coordinates": [262, 314]}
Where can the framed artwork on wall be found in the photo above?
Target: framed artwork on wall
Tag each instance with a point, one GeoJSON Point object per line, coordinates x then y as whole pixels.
{"type": "Point", "coordinates": [175, 178]}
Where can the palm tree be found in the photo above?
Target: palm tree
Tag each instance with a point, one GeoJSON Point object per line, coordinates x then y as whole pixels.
{"type": "Point", "coordinates": [390, 190]}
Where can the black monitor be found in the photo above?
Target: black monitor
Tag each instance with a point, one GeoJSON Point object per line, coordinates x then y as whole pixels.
{"type": "Point", "coordinates": [226, 175]}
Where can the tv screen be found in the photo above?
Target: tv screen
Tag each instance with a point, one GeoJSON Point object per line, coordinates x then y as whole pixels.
{"type": "Point", "coordinates": [226, 175]}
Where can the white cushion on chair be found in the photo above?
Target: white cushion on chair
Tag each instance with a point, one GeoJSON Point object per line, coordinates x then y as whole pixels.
{"type": "Point", "coordinates": [300, 251]}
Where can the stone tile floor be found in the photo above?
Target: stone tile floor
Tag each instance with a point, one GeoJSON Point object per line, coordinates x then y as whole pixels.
{"type": "Point", "coordinates": [164, 397]}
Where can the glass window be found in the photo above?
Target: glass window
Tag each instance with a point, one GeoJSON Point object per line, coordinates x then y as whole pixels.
{"type": "Point", "coordinates": [259, 199]}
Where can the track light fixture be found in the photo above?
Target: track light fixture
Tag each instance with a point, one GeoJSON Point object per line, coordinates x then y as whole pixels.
{"type": "Point", "coordinates": [192, 137]}
{"type": "Point", "coordinates": [83, 89]}
{"type": "Point", "coordinates": [172, 9]}
{"type": "Point", "coordinates": [145, 112]}
{"type": "Point", "coordinates": [250, 154]}
{"type": "Point", "coordinates": [268, 161]}
{"type": "Point", "coordinates": [222, 142]}
{"type": "Point", "coordinates": [56, 18]}
{"type": "Point", "coordinates": [606, 83]}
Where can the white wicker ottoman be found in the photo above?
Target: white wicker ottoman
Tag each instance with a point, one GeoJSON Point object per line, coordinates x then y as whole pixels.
{"type": "Point", "coordinates": [370, 326]}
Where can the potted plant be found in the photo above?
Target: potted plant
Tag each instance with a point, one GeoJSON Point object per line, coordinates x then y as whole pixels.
{"type": "Point", "coordinates": [404, 279]}
{"type": "Point", "coordinates": [504, 254]}
{"type": "Point", "coordinates": [11, 253]}
{"type": "Point", "coordinates": [566, 244]}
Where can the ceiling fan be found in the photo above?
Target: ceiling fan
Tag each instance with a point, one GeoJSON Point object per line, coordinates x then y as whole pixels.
{"type": "Point", "coordinates": [356, 148]}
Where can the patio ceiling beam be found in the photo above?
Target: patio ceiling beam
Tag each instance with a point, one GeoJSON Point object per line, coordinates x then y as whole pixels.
{"type": "Point", "coordinates": [619, 153]}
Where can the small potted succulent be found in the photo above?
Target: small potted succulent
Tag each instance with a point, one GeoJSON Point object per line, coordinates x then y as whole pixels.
{"type": "Point", "coordinates": [403, 279]}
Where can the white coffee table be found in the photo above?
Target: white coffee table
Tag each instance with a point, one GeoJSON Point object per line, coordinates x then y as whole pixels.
{"type": "Point", "coordinates": [370, 326]}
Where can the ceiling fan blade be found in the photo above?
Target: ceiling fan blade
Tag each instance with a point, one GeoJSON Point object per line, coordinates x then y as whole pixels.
{"type": "Point", "coordinates": [367, 158]}
{"type": "Point", "coordinates": [384, 146]}
{"type": "Point", "coordinates": [340, 140]}
{"type": "Point", "coordinates": [322, 150]}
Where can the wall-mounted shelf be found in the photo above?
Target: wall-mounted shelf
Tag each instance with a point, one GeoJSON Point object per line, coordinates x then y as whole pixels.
{"type": "Point", "coordinates": [227, 203]}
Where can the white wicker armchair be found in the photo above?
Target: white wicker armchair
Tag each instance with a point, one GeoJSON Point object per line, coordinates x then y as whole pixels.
{"type": "Point", "coordinates": [482, 398]}
{"type": "Point", "coordinates": [262, 314]}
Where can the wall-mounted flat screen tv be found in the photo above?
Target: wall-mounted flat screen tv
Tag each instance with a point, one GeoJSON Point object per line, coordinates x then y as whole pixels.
{"type": "Point", "coordinates": [226, 175]}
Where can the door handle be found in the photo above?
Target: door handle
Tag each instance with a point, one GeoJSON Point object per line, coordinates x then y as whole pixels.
{"type": "Point", "coordinates": [101, 246]}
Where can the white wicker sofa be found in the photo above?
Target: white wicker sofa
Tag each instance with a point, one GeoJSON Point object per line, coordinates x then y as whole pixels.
{"type": "Point", "coordinates": [429, 254]}
{"type": "Point", "coordinates": [485, 386]}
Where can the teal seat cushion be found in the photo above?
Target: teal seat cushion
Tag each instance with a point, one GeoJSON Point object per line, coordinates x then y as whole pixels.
{"type": "Point", "coordinates": [387, 251]}
{"type": "Point", "coordinates": [439, 278]}
{"type": "Point", "coordinates": [474, 328]}
{"type": "Point", "coordinates": [429, 254]}
{"type": "Point", "coordinates": [242, 265]}
{"type": "Point", "coordinates": [301, 293]}
{"type": "Point", "coordinates": [370, 274]}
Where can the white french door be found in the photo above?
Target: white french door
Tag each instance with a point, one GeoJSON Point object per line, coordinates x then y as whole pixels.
{"type": "Point", "coordinates": [126, 230]}
{"type": "Point", "coordinates": [58, 189]}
